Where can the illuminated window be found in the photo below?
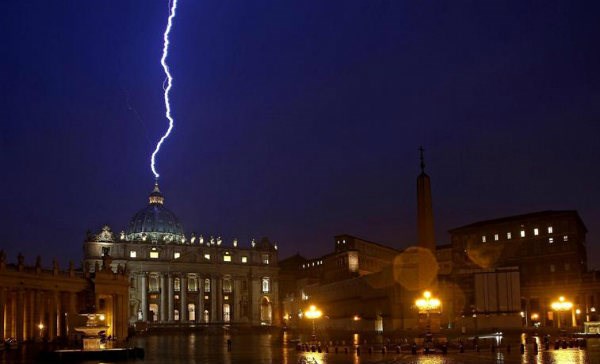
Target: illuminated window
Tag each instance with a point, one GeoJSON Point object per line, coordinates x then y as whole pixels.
{"type": "Point", "coordinates": [192, 284]}
{"type": "Point", "coordinates": [566, 238]}
{"type": "Point", "coordinates": [265, 258]}
{"type": "Point", "coordinates": [550, 230]}
{"type": "Point", "coordinates": [176, 315]}
{"type": "Point", "coordinates": [207, 256]}
{"type": "Point", "coordinates": [227, 258]}
{"type": "Point", "coordinates": [496, 237]}
{"type": "Point", "coordinates": [244, 259]}
{"type": "Point", "coordinates": [508, 236]}
{"type": "Point", "coordinates": [177, 284]}
{"type": "Point", "coordinates": [266, 285]}
{"type": "Point", "coordinates": [154, 255]}
{"type": "Point", "coordinates": [153, 284]}
{"type": "Point", "coordinates": [207, 285]}
{"type": "Point", "coordinates": [227, 285]}
{"type": "Point", "coordinates": [206, 297]}
{"type": "Point", "coordinates": [552, 268]}
{"type": "Point", "coordinates": [132, 254]}
{"type": "Point", "coordinates": [522, 233]}
{"type": "Point", "coordinates": [536, 232]}
{"type": "Point", "coordinates": [551, 240]}
{"type": "Point", "coordinates": [483, 238]}
{"type": "Point", "coordinates": [176, 255]}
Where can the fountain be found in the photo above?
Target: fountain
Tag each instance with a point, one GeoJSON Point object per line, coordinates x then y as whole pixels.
{"type": "Point", "coordinates": [95, 345]}
{"type": "Point", "coordinates": [92, 331]}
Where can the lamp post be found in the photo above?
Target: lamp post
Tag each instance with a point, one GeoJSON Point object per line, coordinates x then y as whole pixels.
{"type": "Point", "coordinates": [559, 306]}
{"type": "Point", "coordinates": [428, 304]}
{"type": "Point", "coordinates": [41, 327]}
{"type": "Point", "coordinates": [313, 314]}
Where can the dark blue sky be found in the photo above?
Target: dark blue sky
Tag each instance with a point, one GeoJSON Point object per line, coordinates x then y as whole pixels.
{"type": "Point", "coordinates": [297, 120]}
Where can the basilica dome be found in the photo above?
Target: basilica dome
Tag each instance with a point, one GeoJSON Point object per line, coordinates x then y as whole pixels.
{"type": "Point", "coordinates": [155, 223]}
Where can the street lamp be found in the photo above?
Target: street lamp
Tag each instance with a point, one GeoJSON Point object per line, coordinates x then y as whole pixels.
{"type": "Point", "coordinates": [428, 304]}
{"type": "Point", "coordinates": [561, 305]}
{"type": "Point", "coordinates": [312, 313]}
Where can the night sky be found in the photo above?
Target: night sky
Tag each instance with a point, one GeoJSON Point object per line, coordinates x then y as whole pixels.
{"type": "Point", "coordinates": [297, 120]}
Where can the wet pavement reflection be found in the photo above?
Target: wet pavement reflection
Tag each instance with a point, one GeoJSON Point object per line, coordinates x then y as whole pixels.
{"type": "Point", "coordinates": [262, 347]}
{"type": "Point", "coordinates": [276, 348]}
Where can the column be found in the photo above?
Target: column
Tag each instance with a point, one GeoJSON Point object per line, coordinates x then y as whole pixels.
{"type": "Point", "coordinates": [213, 300]}
{"type": "Point", "coordinates": [37, 319]}
{"type": "Point", "coordinates": [10, 314]}
{"type": "Point", "coordinates": [43, 309]}
{"type": "Point", "coordinates": [72, 312]}
{"type": "Point", "coordinates": [200, 309]}
{"type": "Point", "coordinates": [163, 297]}
{"type": "Point", "coordinates": [25, 320]}
{"type": "Point", "coordinates": [250, 308]}
{"type": "Point", "coordinates": [2, 307]}
{"type": "Point", "coordinates": [51, 315]}
{"type": "Point", "coordinates": [31, 318]}
{"type": "Point", "coordinates": [183, 299]}
{"type": "Point", "coordinates": [170, 298]}
{"type": "Point", "coordinates": [144, 298]}
{"type": "Point", "coordinates": [57, 315]}
{"type": "Point", "coordinates": [124, 314]}
{"type": "Point", "coordinates": [220, 298]}
{"type": "Point", "coordinates": [235, 301]}
{"type": "Point", "coordinates": [20, 314]}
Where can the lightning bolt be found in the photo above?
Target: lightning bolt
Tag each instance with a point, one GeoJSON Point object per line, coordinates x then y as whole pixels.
{"type": "Point", "coordinates": [168, 82]}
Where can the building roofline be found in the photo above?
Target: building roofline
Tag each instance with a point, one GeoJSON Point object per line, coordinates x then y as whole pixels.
{"type": "Point", "coordinates": [531, 215]}
{"type": "Point", "coordinates": [368, 241]}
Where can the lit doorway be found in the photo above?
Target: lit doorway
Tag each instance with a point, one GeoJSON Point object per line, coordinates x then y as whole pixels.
{"type": "Point", "coordinates": [191, 312]}
{"type": "Point", "coordinates": [226, 312]}
{"type": "Point", "coordinates": [265, 311]}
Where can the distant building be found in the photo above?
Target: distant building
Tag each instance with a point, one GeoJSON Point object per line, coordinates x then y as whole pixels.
{"type": "Point", "coordinates": [546, 245]}
{"type": "Point", "coordinates": [189, 280]}
{"type": "Point", "coordinates": [500, 273]}
{"type": "Point", "coordinates": [547, 248]}
{"type": "Point", "coordinates": [349, 285]}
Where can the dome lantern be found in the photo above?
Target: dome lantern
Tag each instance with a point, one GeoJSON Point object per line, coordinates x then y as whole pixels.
{"type": "Point", "coordinates": [155, 196]}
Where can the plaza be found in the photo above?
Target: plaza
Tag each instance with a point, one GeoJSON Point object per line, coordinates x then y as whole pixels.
{"type": "Point", "coordinates": [280, 347]}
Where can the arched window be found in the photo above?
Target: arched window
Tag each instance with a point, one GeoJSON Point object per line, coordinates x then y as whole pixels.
{"type": "Point", "coordinates": [177, 284]}
{"type": "Point", "coordinates": [266, 284]}
{"type": "Point", "coordinates": [207, 285]}
{"type": "Point", "coordinates": [176, 315]}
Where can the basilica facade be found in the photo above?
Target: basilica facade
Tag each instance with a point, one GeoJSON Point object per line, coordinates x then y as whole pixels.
{"type": "Point", "coordinates": [188, 280]}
